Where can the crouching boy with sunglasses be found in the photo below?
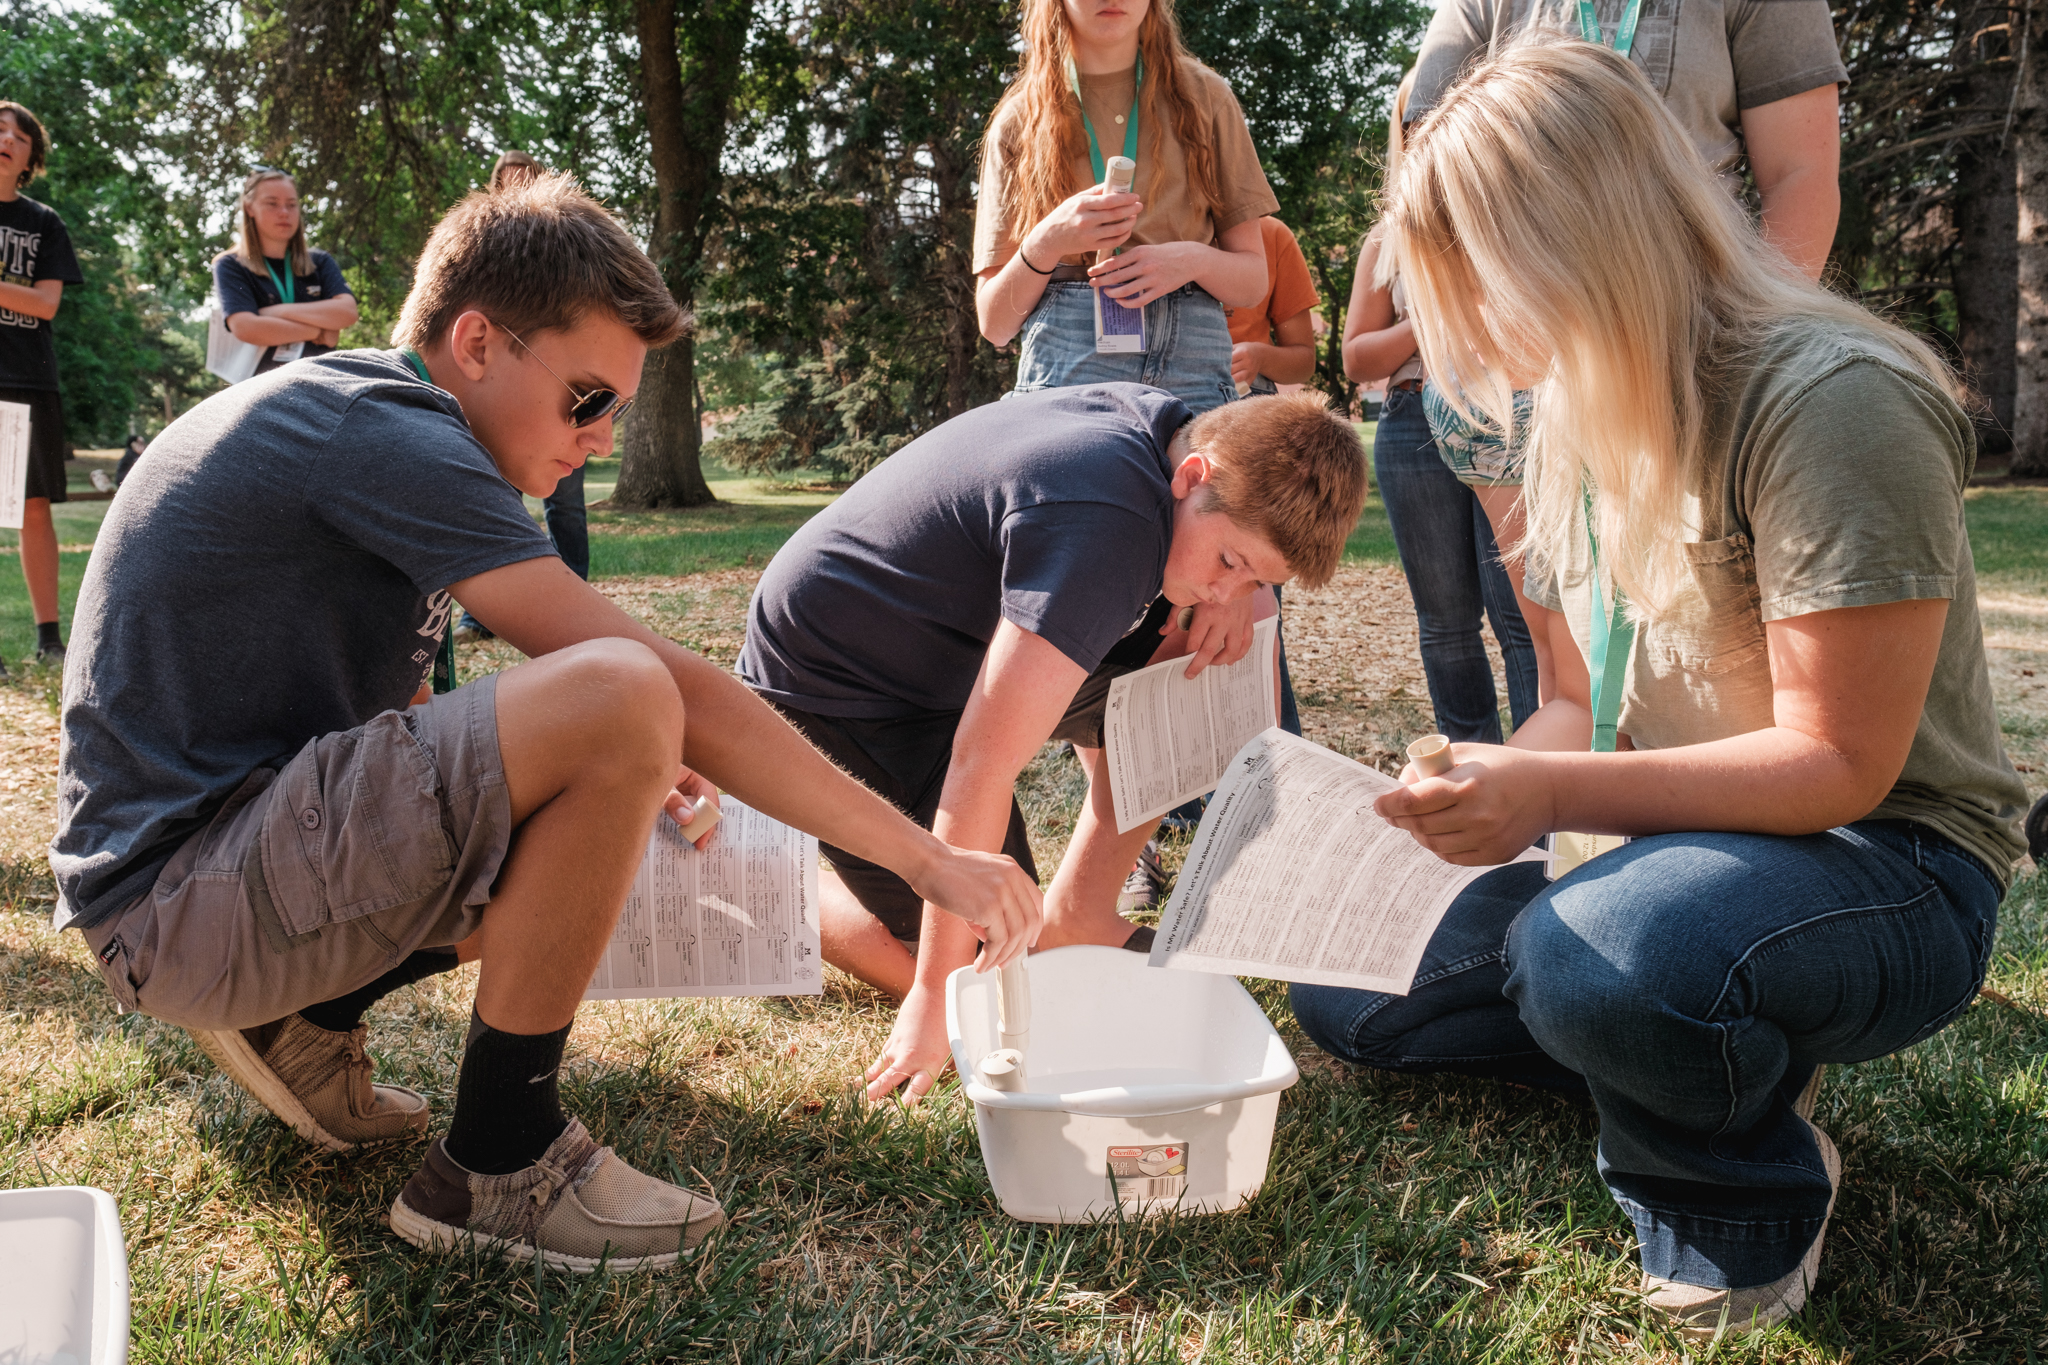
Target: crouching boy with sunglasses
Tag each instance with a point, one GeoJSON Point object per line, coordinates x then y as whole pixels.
{"type": "Point", "coordinates": [263, 829]}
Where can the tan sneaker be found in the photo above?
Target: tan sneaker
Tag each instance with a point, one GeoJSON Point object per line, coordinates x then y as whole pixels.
{"type": "Point", "coordinates": [315, 1080]}
{"type": "Point", "coordinates": [579, 1208]}
{"type": "Point", "coordinates": [1810, 1096]}
{"type": "Point", "coordinates": [1703, 1314]}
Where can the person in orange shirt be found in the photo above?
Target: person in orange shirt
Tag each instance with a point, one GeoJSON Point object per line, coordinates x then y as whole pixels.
{"type": "Point", "coordinates": [1274, 343]}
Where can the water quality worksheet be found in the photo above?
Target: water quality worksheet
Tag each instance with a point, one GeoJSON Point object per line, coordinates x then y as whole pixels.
{"type": "Point", "coordinates": [14, 418]}
{"type": "Point", "coordinates": [737, 918]}
{"type": "Point", "coordinates": [1169, 737]}
{"type": "Point", "coordinates": [1293, 876]}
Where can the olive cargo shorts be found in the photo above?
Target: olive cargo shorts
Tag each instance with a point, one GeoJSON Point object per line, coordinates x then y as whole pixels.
{"type": "Point", "coordinates": [318, 878]}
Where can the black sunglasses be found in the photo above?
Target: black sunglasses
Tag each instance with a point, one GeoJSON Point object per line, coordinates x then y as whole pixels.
{"type": "Point", "coordinates": [589, 407]}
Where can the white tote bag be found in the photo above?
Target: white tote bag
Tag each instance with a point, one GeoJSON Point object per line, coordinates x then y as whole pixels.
{"type": "Point", "coordinates": [226, 355]}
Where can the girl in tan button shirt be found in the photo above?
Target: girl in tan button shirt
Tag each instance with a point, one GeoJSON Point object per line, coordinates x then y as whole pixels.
{"type": "Point", "coordinates": [1044, 232]}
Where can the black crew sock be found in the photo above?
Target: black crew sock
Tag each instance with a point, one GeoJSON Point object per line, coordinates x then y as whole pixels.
{"type": "Point", "coordinates": [345, 1012]}
{"type": "Point", "coordinates": [507, 1108]}
{"type": "Point", "coordinates": [47, 636]}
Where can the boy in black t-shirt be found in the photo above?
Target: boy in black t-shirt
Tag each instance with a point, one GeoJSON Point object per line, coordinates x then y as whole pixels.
{"type": "Point", "coordinates": [36, 263]}
{"type": "Point", "coordinates": [265, 826]}
{"type": "Point", "coordinates": [975, 596]}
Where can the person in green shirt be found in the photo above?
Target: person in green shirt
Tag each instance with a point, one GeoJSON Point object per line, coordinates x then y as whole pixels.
{"type": "Point", "coordinates": [1746, 545]}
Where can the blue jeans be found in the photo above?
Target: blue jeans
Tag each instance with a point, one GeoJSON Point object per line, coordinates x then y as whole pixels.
{"type": "Point", "coordinates": [1454, 573]}
{"type": "Point", "coordinates": [569, 524]}
{"type": "Point", "coordinates": [1691, 983]}
{"type": "Point", "coordinates": [1187, 346]}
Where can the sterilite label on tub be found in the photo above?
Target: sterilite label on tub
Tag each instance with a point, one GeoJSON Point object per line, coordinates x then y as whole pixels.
{"type": "Point", "coordinates": [1157, 1171]}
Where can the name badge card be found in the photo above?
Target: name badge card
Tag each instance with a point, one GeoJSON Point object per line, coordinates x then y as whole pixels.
{"type": "Point", "coordinates": [1118, 330]}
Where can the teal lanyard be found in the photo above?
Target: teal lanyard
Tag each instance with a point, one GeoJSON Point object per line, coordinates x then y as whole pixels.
{"type": "Point", "coordinates": [1613, 640]}
{"type": "Point", "coordinates": [419, 366]}
{"type": "Point", "coordinates": [285, 285]}
{"type": "Point", "coordinates": [1624, 36]}
{"type": "Point", "coordinates": [1130, 132]}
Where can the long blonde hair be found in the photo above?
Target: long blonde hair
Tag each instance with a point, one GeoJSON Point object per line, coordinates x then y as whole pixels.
{"type": "Point", "coordinates": [250, 245]}
{"type": "Point", "coordinates": [1046, 117]}
{"type": "Point", "coordinates": [1555, 228]}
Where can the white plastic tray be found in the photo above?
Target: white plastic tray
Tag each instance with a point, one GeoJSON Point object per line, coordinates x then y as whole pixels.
{"type": "Point", "coordinates": [63, 1278]}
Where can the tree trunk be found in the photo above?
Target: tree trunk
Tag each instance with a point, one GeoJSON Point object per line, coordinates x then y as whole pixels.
{"type": "Point", "coordinates": [2030, 164]}
{"type": "Point", "coordinates": [1985, 276]}
{"type": "Point", "coordinates": [687, 113]}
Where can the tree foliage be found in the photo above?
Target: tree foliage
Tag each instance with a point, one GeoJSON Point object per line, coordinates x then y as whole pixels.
{"type": "Point", "coordinates": [102, 86]}
{"type": "Point", "coordinates": [846, 267]}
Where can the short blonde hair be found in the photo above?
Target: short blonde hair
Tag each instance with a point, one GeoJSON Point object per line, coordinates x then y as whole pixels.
{"type": "Point", "coordinates": [1288, 469]}
{"type": "Point", "coordinates": [535, 257]}
{"type": "Point", "coordinates": [1553, 225]}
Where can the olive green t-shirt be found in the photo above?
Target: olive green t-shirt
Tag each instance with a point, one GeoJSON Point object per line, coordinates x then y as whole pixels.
{"type": "Point", "coordinates": [1834, 478]}
{"type": "Point", "coordinates": [1709, 59]}
{"type": "Point", "coordinates": [1173, 211]}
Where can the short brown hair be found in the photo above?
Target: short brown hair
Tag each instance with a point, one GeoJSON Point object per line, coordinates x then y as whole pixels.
{"type": "Point", "coordinates": [1288, 469]}
{"type": "Point", "coordinates": [533, 258]}
{"type": "Point", "coordinates": [38, 141]}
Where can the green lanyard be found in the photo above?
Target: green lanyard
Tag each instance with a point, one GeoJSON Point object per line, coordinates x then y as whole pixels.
{"type": "Point", "coordinates": [419, 366]}
{"type": "Point", "coordinates": [285, 285]}
{"type": "Point", "coordinates": [1613, 641]}
{"type": "Point", "coordinates": [1624, 36]}
{"type": "Point", "coordinates": [1130, 132]}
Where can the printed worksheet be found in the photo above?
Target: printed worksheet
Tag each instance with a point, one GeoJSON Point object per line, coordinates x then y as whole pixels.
{"type": "Point", "coordinates": [1293, 876]}
{"type": "Point", "coordinates": [737, 918]}
{"type": "Point", "coordinates": [14, 419]}
{"type": "Point", "coordinates": [1169, 737]}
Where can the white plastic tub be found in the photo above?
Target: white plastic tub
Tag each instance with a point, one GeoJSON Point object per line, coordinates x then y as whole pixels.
{"type": "Point", "coordinates": [1143, 1089]}
{"type": "Point", "coordinates": [63, 1278]}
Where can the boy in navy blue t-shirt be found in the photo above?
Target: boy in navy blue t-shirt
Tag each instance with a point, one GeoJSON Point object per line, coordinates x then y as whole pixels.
{"type": "Point", "coordinates": [976, 594]}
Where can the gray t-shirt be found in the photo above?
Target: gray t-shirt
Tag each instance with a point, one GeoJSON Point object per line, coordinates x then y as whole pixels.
{"type": "Point", "coordinates": [1834, 478]}
{"type": "Point", "coordinates": [1053, 510]}
{"type": "Point", "coordinates": [1709, 59]}
{"type": "Point", "coordinates": [276, 570]}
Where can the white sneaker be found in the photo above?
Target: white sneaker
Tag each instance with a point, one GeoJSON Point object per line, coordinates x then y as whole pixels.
{"type": "Point", "coordinates": [1704, 1314]}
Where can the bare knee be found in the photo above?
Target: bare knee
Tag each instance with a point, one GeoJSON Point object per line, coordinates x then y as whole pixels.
{"type": "Point", "coordinates": [627, 694]}
{"type": "Point", "coordinates": [604, 707]}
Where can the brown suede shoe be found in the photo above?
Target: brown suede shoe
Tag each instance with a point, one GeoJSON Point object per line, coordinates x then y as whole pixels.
{"type": "Point", "coordinates": [316, 1081]}
{"type": "Point", "coordinates": [579, 1208]}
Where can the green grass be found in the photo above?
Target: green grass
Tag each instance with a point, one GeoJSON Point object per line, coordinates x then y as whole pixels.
{"type": "Point", "coordinates": [2009, 537]}
{"type": "Point", "coordinates": [1403, 1219]}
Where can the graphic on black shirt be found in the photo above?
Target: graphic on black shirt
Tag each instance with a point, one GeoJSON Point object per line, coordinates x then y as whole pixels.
{"type": "Point", "coordinates": [18, 266]}
{"type": "Point", "coordinates": [33, 247]}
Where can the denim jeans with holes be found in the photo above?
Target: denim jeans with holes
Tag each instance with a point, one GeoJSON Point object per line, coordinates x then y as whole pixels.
{"type": "Point", "coordinates": [1691, 983]}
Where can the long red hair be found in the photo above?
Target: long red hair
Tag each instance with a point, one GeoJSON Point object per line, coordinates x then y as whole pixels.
{"type": "Point", "coordinates": [1047, 134]}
